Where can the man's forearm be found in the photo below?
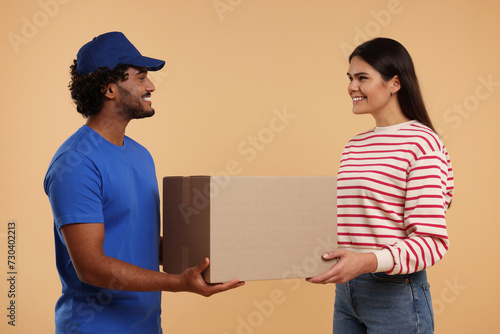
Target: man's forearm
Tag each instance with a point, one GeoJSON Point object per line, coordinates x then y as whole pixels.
{"type": "Point", "coordinates": [111, 273]}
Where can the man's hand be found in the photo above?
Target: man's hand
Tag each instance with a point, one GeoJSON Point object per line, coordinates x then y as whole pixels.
{"type": "Point", "coordinates": [349, 265]}
{"type": "Point", "coordinates": [195, 283]}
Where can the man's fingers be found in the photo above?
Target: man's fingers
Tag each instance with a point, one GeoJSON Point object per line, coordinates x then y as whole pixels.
{"type": "Point", "coordinates": [230, 285]}
{"type": "Point", "coordinates": [235, 283]}
{"type": "Point", "coordinates": [202, 265]}
{"type": "Point", "coordinates": [221, 287]}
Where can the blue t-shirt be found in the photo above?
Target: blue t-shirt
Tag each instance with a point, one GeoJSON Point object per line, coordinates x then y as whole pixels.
{"type": "Point", "coordinates": [91, 180]}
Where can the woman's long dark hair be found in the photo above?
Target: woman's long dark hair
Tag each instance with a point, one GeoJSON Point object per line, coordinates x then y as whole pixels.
{"type": "Point", "coordinates": [390, 58]}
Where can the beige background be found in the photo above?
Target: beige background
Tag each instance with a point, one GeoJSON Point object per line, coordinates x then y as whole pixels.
{"type": "Point", "coordinates": [232, 66]}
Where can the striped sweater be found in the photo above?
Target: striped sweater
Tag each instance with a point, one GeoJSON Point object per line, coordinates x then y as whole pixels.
{"type": "Point", "coordinates": [394, 187]}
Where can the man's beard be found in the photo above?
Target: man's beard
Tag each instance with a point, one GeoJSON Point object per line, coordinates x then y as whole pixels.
{"type": "Point", "coordinates": [133, 107]}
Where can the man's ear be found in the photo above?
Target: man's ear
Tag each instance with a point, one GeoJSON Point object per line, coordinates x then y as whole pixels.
{"type": "Point", "coordinates": [110, 91]}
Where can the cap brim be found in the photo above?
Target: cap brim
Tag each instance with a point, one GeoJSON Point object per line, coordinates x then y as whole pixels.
{"type": "Point", "coordinates": [151, 64]}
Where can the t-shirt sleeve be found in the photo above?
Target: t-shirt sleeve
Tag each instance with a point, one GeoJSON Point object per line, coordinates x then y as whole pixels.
{"type": "Point", "coordinates": [73, 184]}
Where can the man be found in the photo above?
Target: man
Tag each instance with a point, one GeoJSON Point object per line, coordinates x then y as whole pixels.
{"type": "Point", "coordinates": [104, 195]}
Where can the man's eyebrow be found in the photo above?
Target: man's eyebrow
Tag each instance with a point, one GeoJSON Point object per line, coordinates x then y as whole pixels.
{"type": "Point", "coordinates": [141, 70]}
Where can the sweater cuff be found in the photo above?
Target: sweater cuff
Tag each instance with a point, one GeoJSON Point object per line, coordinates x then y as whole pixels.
{"type": "Point", "coordinates": [385, 261]}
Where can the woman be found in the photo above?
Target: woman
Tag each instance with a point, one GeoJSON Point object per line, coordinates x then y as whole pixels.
{"type": "Point", "coordinates": [395, 184]}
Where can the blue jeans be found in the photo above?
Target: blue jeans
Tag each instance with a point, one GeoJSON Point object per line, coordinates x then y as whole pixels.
{"type": "Point", "coordinates": [381, 303]}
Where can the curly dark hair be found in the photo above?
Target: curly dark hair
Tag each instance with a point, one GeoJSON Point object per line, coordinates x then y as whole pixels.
{"type": "Point", "coordinates": [87, 91]}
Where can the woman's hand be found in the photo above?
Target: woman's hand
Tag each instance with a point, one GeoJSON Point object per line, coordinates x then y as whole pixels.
{"type": "Point", "coordinates": [349, 265]}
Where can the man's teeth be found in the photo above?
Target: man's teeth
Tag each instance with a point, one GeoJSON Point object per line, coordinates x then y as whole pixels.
{"type": "Point", "coordinates": [148, 98]}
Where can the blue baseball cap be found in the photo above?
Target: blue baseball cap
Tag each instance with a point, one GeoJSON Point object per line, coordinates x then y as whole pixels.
{"type": "Point", "coordinates": [109, 50]}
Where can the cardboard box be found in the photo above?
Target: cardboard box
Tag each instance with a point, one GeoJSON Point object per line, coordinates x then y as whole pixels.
{"type": "Point", "coordinates": [251, 228]}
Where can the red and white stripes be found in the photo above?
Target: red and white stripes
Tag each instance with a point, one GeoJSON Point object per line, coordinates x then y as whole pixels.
{"type": "Point", "coordinates": [394, 186]}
